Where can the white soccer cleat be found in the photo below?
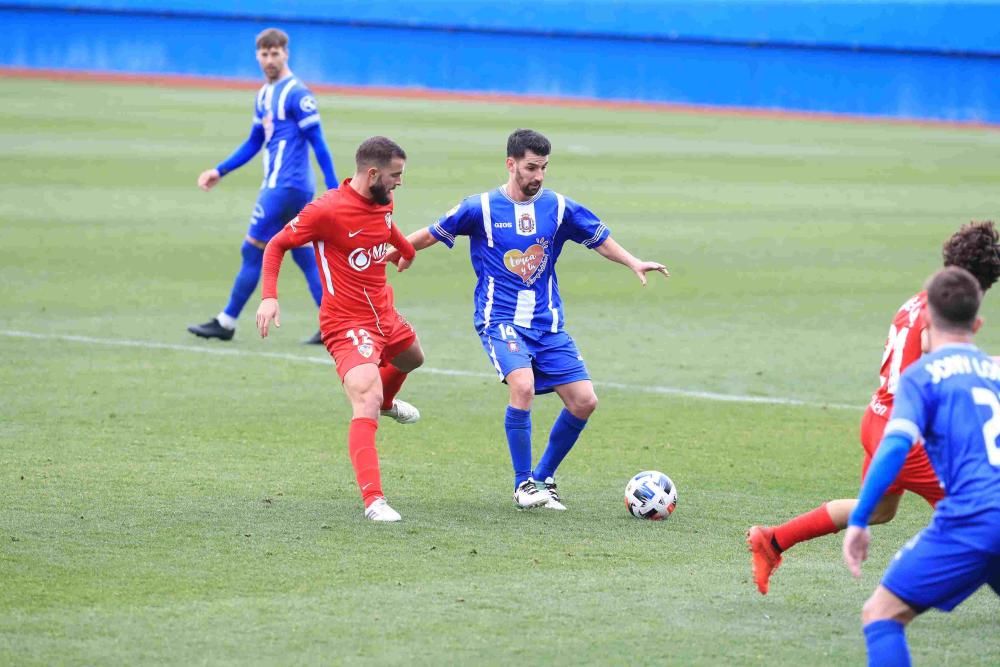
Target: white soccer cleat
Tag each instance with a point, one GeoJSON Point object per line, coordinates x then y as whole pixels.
{"type": "Point", "coordinates": [402, 412]}
{"type": "Point", "coordinates": [379, 510]}
{"type": "Point", "coordinates": [554, 500]}
{"type": "Point", "coordinates": [528, 495]}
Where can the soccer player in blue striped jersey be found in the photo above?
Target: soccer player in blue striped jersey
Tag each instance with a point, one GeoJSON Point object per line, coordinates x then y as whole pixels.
{"type": "Point", "coordinates": [950, 399]}
{"type": "Point", "coordinates": [516, 234]}
{"type": "Point", "coordinates": [285, 123]}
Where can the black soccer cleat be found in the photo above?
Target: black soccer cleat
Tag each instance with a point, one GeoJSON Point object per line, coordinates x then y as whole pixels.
{"type": "Point", "coordinates": [212, 329]}
{"type": "Point", "coordinates": [317, 339]}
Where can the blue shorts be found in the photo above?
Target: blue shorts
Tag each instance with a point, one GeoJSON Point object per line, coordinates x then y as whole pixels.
{"type": "Point", "coordinates": [936, 570]}
{"type": "Point", "coordinates": [274, 208]}
{"type": "Point", "coordinates": [552, 357]}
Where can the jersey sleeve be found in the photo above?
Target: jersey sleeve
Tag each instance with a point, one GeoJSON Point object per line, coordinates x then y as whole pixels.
{"type": "Point", "coordinates": [462, 220]}
{"type": "Point", "coordinates": [582, 226]}
{"type": "Point", "coordinates": [909, 413]}
{"type": "Point", "coordinates": [310, 223]}
{"type": "Point", "coordinates": [302, 107]}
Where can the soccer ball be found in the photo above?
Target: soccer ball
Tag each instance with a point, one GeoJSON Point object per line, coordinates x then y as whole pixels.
{"type": "Point", "coordinates": [651, 495]}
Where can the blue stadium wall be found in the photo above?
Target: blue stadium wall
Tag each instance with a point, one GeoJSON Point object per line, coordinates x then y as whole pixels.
{"type": "Point", "coordinates": [919, 59]}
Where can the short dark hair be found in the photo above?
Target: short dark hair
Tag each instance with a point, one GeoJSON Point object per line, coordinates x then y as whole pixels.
{"type": "Point", "coordinates": [522, 141]}
{"type": "Point", "coordinates": [272, 37]}
{"type": "Point", "coordinates": [378, 152]}
{"type": "Point", "coordinates": [953, 298]}
{"type": "Point", "coordinates": [976, 248]}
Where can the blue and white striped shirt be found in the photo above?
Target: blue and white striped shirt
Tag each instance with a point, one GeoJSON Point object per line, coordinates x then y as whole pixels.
{"type": "Point", "coordinates": [285, 109]}
{"type": "Point", "coordinates": [514, 247]}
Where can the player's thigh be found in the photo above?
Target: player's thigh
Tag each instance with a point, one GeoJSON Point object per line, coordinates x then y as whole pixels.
{"type": "Point", "coordinates": [558, 362]}
{"type": "Point", "coordinates": [507, 352]}
{"type": "Point", "coordinates": [273, 210]}
{"type": "Point", "coordinates": [872, 429]}
{"type": "Point", "coordinates": [352, 346]}
{"type": "Point", "coordinates": [402, 348]}
{"type": "Point", "coordinates": [918, 476]}
{"type": "Point", "coordinates": [935, 570]}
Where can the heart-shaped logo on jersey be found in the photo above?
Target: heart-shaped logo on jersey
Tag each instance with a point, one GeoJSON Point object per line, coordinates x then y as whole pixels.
{"type": "Point", "coordinates": [525, 264]}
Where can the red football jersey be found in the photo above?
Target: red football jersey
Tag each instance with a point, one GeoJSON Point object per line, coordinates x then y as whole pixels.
{"type": "Point", "coordinates": [902, 348]}
{"type": "Point", "coordinates": [352, 236]}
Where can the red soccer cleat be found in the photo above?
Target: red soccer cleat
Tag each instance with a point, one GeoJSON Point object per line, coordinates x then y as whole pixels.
{"type": "Point", "coordinates": [764, 558]}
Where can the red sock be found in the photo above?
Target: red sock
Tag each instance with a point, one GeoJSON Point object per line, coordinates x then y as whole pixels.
{"type": "Point", "coordinates": [392, 380]}
{"type": "Point", "coordinates": [804, 527]}
{"type": "Point", "coordinates": [364, 457]}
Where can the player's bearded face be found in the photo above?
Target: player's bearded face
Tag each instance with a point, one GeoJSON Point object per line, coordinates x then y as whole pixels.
{"type": "Point", "coordinates": [272, 61]}
{"type": "Point", "coordinates": [529, 173]}
{"type": "Point", "coordinates": [382, 181]}
{"type": "Point", "coordinates": [380, 192]}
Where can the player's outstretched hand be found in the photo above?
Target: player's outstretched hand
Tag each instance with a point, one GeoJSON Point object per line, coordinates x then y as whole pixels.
{"type": "Point", "coordinates": [856, 542]}
{"type": "Point", "coordinates": [208, 179]}
{"type": "Point", "coordinates": [267, 311]}
{"type": "Point", "coordinates": [642, 268]}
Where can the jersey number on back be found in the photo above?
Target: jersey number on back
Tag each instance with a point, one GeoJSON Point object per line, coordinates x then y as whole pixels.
{"type": "Point", "coordinates": [894, 348]}
{"type": "Point", "coordinates": [991, 429]}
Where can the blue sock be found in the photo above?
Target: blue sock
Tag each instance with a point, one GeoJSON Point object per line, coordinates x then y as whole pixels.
{"type": "Point", "coordinates": [562, 438]}
{"type": "Point", "coordinates": [246, 280]}
{"type": "Point", "coordinates": [306, 259]}
{"type": "Point", "coordinates": [517, 423]}
{"type": "Point", "coordinates": [886, 641]}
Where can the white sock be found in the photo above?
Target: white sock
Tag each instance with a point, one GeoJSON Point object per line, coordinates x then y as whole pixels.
{"type": "Point", "coordinates": [226, 321]}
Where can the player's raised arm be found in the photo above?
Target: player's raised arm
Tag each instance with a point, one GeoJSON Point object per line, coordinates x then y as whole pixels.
{"type": "Point", "coordinates": [613, 251]}
{"type": "Point", "coordinates": [209, 178]}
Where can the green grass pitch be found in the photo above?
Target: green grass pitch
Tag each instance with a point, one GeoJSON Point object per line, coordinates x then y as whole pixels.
{"type": "Point", "coordinates": [164, 502]}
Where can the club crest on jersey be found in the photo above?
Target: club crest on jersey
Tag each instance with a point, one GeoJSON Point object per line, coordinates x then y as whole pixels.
{"type": "Point", "coordinates": [361, 258]}
{"type": "Point", "coordinates": [388, 219]}
{"type": "Point", "coordinates": [526, 224]}
{"type": "Point", "coordinates": [529, 264]}
{"type": "Point", "coordinates": [365, 350]}
{"type": "Point", "coordinates": [512, 346]}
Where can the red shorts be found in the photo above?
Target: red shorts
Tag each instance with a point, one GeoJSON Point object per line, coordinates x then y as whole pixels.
{"type": "Point", "coordinates": [917, 474]}
{"type": "Point", "coordinates": [351, 345]}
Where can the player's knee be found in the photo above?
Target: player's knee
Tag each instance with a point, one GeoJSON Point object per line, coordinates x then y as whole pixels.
{"type": "Point", "coordinates": [582, 407]}
{"type": "Point", "coordinates": [522, 393]}
{"type": "Point", "coordinates": [870, 611]}
{"type": "Point", "coordinates": [253, 256]}
{"type": "Point", "coordinates": [882, 515]}
{"type": "Point", "coordinates": [416, 357]}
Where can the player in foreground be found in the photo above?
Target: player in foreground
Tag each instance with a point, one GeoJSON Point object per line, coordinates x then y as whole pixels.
{"type": "Point", "coordinates": [285, 119]}
{"type": "Point", "coordinates": [351, 229]}
{"type": "Point", "coordinates": [516, 233]}
{"type": "Point", "coordinates": [974, 248]}
{"type": "Point", "coordinates": [950, 399]}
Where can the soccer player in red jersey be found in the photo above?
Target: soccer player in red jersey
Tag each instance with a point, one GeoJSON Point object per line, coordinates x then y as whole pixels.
{"type": "Point", "coordinates": [352, 231]}
{"type": "Point", "coordinates": [974, 247]}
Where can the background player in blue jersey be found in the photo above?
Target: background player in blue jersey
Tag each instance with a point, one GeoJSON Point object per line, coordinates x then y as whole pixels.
{"type": "Point", "coordinates": [950, 399]}
{"type": "Point", "coordinates": [516, 233]}
{"type": "Point", "coordinates": [285, 123]}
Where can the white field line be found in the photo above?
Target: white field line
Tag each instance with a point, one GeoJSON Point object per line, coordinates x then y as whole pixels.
{"type": "Point", "coordinates": [326, 361]}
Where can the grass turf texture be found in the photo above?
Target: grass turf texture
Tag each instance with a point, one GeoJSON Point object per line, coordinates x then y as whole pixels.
{"type": "Point", "coordinates": [164, 506]}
